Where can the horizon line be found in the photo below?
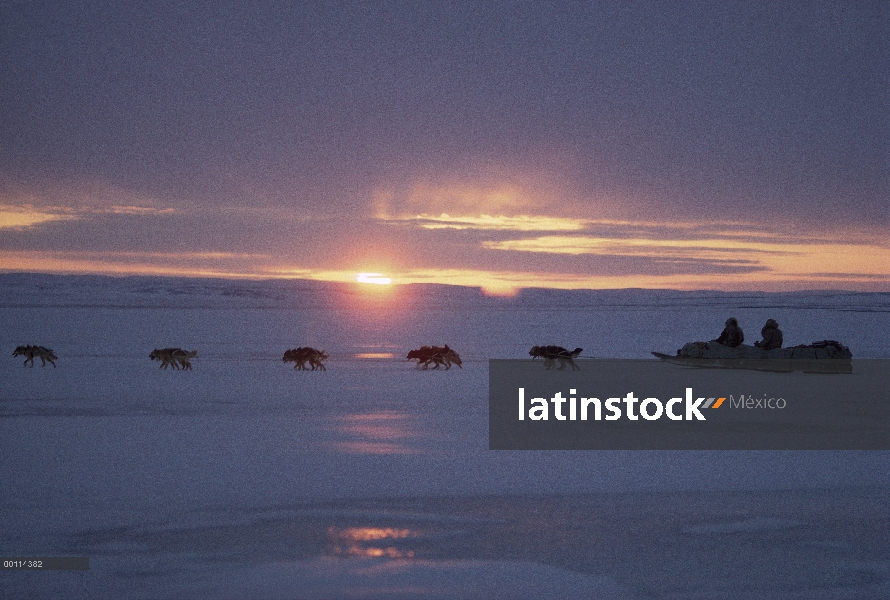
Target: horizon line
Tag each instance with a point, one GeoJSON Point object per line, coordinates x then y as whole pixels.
{"type": "Point", "coordinates": [395, 284]}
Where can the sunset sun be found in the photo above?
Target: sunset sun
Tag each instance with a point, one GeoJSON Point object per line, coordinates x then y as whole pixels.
{"type": "Point", "coordinates": [373, 278]}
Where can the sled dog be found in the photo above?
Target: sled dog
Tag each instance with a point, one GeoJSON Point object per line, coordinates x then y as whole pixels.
{"type": "Point", "coordinates": [303, 355]}
{"type": "Point", "coordinates": [32, 352]}
{"type": "Point", "coordinates": [553, 354]}
{"type": "Point", "coordinates": [436, 355]}
{"type": "Point", "coordinates": [173, 357]}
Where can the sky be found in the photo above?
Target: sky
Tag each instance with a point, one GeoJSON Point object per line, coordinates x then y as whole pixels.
{"type": "Point", "coordinates": [680, 145]}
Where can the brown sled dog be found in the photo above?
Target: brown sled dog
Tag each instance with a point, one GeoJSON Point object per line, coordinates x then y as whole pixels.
{"type": "Point", "coordinates": [436, 355]}
{"type": "Point", "coordinates": [303, 355]}
{"type": "Point", "coordinates": [173, 357]}
{"type": "Point", "coordinates": [551, 354]}
{"type": "Point", "coordinates": [32, 352]}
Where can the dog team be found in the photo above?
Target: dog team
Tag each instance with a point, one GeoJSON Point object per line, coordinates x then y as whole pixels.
{"type": "Point", "coordinates": [306, 358]}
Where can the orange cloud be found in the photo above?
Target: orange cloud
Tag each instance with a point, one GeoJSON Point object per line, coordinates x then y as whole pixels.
{"type": "Point", "coordinates": [181, 264]}
{"type": "Point", "coordinates": [23, 217]}
{"type": "Point", "coordinates": [793, 258]}
{"type": "Point", "coordinates": [22, 208]}
{"type": "Point", "coordinates": [26, 216]}
{"type": "Point", "coordinates": [496, 223]}
{"type": "Point", "coordinates": [459, 199]}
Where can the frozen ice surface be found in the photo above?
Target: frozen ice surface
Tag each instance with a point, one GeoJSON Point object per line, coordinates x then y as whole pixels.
{"type": "Point", "coordinates": [244, 478]}
{"type": "Point", "coordinates": [369, 578]}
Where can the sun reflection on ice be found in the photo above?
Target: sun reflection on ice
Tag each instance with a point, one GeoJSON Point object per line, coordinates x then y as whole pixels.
{"type": "Point", "coordinates": [372, 542]}
{"type": "Point", "coordinates": [383, 432]}
{"type": "Point", "coordinates": [375, 355]}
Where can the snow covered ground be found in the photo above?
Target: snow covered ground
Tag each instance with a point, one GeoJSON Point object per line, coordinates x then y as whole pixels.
{"type": "Point", "coordinates": [246, 479]}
